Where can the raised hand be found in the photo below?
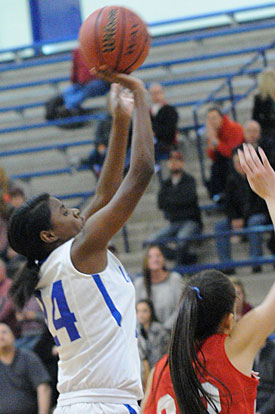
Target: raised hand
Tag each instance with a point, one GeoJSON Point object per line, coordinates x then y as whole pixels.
{"type": "Point", "coordinates": [121, 101]}
{"type": "Point", "coordinates": [259, 172]}
{"type": "Point", "coordinates": [127, 81]}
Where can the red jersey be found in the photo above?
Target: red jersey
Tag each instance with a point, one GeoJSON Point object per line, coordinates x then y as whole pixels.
{"type": "Point", "coordinates": [243, 389]}
{"type": "Point", "coordinates": [162, 398]}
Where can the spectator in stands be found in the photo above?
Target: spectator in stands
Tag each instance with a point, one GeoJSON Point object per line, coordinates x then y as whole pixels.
{"type": "Point", "coordinates": [4, 215]}
{"type": "Point", "coordinates": [178, 200]}
{"type": "Point", "coordinates": [223, 135]}
{"type": "Point", "coordinates": [97, 156]}
{"type": "Point", "coordinates": [164, 122]}
{"type": "Point", "coordinates": [32, 323]}
{"type": "Point", "coordinates": [23, 378]}
{"type": "Point", "coordinates": [243, 208]}
{"type": "Point", "coordinates": [265, 365]}
{"type": "Point", "coordinates": [7, 308]}
{"type": "Point", "coordinates": [153, 338]}
{"type": "Point", "coordinates": [84, 85]}
{"type": "Point", "coordinates": [241, 304]}
{"type": "Point", "coordinates": [253, 136]}
{"type": "Point", "coordinates": [264, 103]}
{"type": "Point", "coordinates": [47, 351]}
{"type": "Point", "coordinates": [16, 196]}
{"type": "Point", "coordinates": [159, 285]}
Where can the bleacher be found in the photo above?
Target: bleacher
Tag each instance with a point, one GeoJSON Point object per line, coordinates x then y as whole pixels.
{"type": "Point", "coordinates": [218, 63]}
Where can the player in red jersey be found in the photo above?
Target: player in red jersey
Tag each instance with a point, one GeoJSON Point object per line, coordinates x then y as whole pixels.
{"type": "Point", "coordinates": [210, 355]}
{"type": "Point", "coordinates": [159, 395]}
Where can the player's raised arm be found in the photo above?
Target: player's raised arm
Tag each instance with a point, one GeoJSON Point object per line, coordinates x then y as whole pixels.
{"type": "Point", "coordinates": [102, 226]}
{"type": "Point", "coordinates": [121, 105]}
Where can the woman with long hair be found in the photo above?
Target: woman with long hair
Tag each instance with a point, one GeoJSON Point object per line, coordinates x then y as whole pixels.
{"type": "Point", "coordinates": [211, 356]}
{"type": "Point", "coordinates": [87, 297]}
{"type": "Point", "coordinates": [161, 286]}
{"type": "Point", "coordinates": [264, 103]}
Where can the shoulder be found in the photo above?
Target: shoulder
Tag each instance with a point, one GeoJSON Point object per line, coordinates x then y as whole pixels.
{"type": "Point", "coordinates": [175, 277]}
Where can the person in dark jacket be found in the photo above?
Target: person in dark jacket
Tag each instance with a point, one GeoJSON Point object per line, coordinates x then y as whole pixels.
{"type": "Point", "coordinates": [178, 200]}
{"type": "Point", "coordinates": [164, 119]}
{"type": "Point", "coordinates": [264, 103]}
{"type": "Point", "coordinates": [243, 208]}
{"type": "Point", "coordinates": [265, 365]}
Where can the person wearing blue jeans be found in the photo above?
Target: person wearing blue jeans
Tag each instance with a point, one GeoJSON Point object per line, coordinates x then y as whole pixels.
{"type": "Point", "coordinates": [244, 209]}
{"type": "Point", "coordinates": [255, 239]}
{"type": "Point", "coordinates": [75, 94]}
{"type": "Point", "coordinates": [178, 200]}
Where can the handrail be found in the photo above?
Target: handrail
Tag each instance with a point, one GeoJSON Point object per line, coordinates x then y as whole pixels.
{"type": "Point", "coordinates": [65, 121]}
{"type": "Point", "coordinates": [229, 12]}
{"type": "Point", "coordinates": [61, 147]}
{"type": "Point", "coordinates": [270, 259]}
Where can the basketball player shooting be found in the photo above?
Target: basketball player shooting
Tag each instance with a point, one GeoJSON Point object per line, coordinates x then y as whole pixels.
{"type": "Point", "coordinates": [86, 295]}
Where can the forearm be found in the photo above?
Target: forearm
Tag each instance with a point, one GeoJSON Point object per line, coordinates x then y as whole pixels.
{"type": "Point", "coordinates": [271, 208]}
{"type": "Point", "coordinates": [112, 171]}
{"type": "Point", "coordinates": [142, 150]}
{"type": "Point", "coordinates": [43, 398]}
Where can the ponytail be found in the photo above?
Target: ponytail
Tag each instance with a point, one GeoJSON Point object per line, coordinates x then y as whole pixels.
{"type": "Point", "coordinates": [24, 284]}
{"type": "Point", "coordinates": [207, 298]}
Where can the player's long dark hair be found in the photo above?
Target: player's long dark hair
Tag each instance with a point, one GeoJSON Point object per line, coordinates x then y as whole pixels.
{"type": "Point", "coordinates": [199, 317]}
{"type": "Point", "coordinates": [25, 225]}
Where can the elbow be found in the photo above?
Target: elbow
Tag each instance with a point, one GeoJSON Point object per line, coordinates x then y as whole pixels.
{"type": "Point", "coordinates": [144, 173]}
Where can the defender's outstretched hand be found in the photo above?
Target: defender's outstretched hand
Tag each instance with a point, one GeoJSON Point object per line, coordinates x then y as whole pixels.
{"type": "Point", "coordinates": [259, 172]}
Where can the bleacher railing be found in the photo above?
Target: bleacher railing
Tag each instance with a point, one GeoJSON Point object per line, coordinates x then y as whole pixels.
{"type": "Point", "coordinates": [232, 16]}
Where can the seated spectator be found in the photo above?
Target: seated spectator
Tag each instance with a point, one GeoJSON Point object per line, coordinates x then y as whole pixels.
{"type": "Point", "coordinates": [264, 103]}
{"type": "Point", "coordinates": [23, 378]}
{"type": "Point", "coordinates": [243, 208]}
{"type": "Point", "coordinates": [241, 304]}
{"type": "Point", "coordinates": [16, 196]}
{"type": "Point", "coordinates": [160, 285]}
{"type": "Point", "coordinates": [178, 200]}
{"type": "Point", "coordinates": [97, 156]}
{"type": "Point", "coordinates": [47, 351]}
{"type": "Point", "coordinates": [83, 86]}
{"type": "Point", "coordinates": [7, 308]}
{"type": "Point", "coordinates": [253, 136]}
{"type": "Point", "coordinates": [222, 135]}
{"type": "Point", "coordinates": [153, 338]}
{"type": "Point", "coordinates": [31, 320]}
{"type": "Point", "coordinates": [265, 365]}
{"type": "Point", "coordinates": [164, 122]}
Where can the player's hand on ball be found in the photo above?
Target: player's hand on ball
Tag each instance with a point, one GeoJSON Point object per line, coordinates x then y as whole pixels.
{"type": "Point", "coordinates": [121, 101]}
{"type": "Point", "coordinates": [128, 81]}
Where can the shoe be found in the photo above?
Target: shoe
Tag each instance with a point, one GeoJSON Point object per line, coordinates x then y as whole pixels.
{"type": "Point", "coordinates": [257, 269]}
{"type": "Point", "coordinates": [229, 271]}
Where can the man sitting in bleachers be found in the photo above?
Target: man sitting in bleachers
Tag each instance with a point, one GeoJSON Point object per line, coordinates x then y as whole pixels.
{"type": "Point", "coordinates": [178, 200]}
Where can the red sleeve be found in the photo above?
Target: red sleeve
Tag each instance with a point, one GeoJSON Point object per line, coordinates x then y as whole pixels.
{"type": "Point", "coordinates": [233, 140]}
{"type": "Point", "coordinates": [211, 153]}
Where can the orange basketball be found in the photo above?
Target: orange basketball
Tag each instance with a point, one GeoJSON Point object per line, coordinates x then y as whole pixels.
{"type": "Point", "coordinates": [114, 36]}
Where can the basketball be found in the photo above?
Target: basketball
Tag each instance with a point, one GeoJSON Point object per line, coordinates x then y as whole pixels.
{"type": "Point", "coordinates": [114, 36]}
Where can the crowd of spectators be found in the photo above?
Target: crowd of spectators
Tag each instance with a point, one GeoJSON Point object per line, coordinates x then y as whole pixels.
{"type": "Point", "coordinates": [26, 348]}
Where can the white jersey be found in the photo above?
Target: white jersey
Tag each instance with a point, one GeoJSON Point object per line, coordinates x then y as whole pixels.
{"type": "Point", "coordinates": [93, 321]}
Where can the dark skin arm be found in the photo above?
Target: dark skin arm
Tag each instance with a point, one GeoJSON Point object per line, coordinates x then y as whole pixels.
{"type": "Point", "coordinates": [112, 171]}
{"type": "Point", "coordinates": [89, 250]}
